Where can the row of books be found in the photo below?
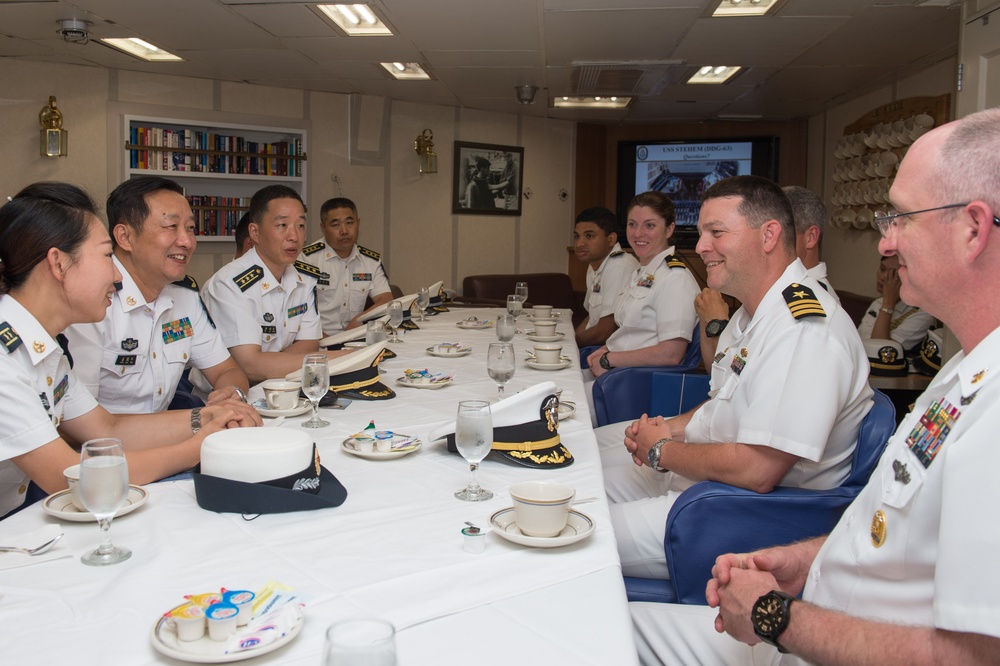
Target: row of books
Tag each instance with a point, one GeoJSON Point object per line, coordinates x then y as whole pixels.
{"type": "Point", "coordinates": [217, 216]}
{"type": "Point", "coordinates": [238, 154]}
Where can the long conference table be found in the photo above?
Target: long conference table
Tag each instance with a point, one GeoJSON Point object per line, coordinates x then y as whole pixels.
{"type": "Point", "coordinates": [393, 550]}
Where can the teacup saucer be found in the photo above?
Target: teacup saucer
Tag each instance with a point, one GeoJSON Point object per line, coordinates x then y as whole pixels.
{"type": "Point", "coordinates": [579, 526]}
{"type": "Point", "coordinates": [544, 338]}
{"type": "Point", "coordinates": [59, 505]}
{"type": "Point", "coordinates": [474, 324]}
{"type": "Point", "coordinates": [449, 350]}
{"type": "Point", "coordinates": [563, 363]}
{"type": "Point", "coordinates": [262, 409]}
{"type": "Point", "coordinates": [566, 410]}
{"type": "Point", "coordinates": [364, 447]}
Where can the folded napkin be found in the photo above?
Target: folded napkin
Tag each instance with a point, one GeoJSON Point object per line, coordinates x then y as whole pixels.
{"type": "Point", "coordinates": [10, 560]}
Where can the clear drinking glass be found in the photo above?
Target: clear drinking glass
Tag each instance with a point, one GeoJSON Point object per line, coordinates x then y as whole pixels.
{"type": "Point", "coordinates": [104, 490]}
{"type": "Point", "coordinates": [315, 384]}
{"type": "Point", "coordinates": [500, 364]}
{"type": "Point", "coordinates": [423, 300]}
{"type": "Point", "coordinates": [395, 311]}
{"type": "Point", "coordinates": [514, 308]}
{"type": "Point", "coordinates": [361, 642]}
{"type": "Point", "coordinates": [521, 290]}
{"type": "Point", "coordinates": [505, 328]}
{"type": "Point", "coordinates": [474, 439]}
{"type": "Point", "coordinates": [375, 332]}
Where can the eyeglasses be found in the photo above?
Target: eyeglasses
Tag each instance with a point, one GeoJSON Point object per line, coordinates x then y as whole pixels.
{"type": "Point", "coordinates": [886, 220]}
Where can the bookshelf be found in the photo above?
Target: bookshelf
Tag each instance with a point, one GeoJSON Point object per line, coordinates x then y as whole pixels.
{"type": "Point", "coordinates": [219, 165]}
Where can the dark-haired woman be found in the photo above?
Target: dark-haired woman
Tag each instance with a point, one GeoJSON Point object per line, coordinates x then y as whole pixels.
{"type": "Point", "coordinates": [56, 270]}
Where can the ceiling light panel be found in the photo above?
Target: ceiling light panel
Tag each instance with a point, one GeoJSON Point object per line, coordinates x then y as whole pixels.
{"type": "Point", "coordinates": [613, 102]}
{"type": "Point", "coordinates": [356, 20]}
{"type": "Point", "coordinates": [744, 7]}
{"type": "Point", "coordinates": [406, 71]}
{"type": "Point", "coordinates": [714, 74]}
{"type": "Point", "coordinates": [141, 49]}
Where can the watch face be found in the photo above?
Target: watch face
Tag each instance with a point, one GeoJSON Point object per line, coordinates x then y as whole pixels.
{"type": "Point", "coordinates": [715, 327]}
{"type": "Point", "coordinates": [767, 614]}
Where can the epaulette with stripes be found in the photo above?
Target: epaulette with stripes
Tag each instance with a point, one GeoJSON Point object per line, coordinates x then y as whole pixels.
{"type": "Point", "coordinates": [674, 261]}
{"type": "Point", "coordinates": [9, 337]}
{"type": "Point", "coordinates": [369, 253]}
{"type": "Point", "coordinates": [188, 283]}
{"type": "Point", "coordinates": [802, 301]}
{"type": "Point", "coordinates": [314, 248]}
{"type": "Point", "coordinates": [309, 269]}
{"type": "Point", "coordinates": [249, 277]}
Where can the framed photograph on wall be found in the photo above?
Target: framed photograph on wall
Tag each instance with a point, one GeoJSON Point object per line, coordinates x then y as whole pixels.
{"type": "Point", "coordinates": [487, 179]}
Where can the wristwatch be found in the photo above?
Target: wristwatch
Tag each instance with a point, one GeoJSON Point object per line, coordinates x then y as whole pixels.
{"type": "Point", "coordinates": [240, 394]}
{"type": "Point", "coordinates": [604, 362]}
{"type": "Point", "coordinates": [654, 455]}
{"type": "Point", "coordinates": [714, 328]}
{"type": "Point", "coordinates": [770, 617]}
{"type": "Point", "coordinates": [196, 419]}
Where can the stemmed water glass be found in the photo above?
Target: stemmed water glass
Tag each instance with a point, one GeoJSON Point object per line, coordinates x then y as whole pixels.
{"type": "Point", "coordinates": [423, 300]}
{"type": "Point", "coordinates": [505, 328]}
{"type": "Point", "coordinates": [104, 490]}
{"type": "Point", "coordinates": [500, 364]}
{"type": "Point", "coordinates": [514, 308]}
{"type": "Point", "coordinates": [521, 290]}
{"type": "Point", "coordinates": [315, 384]}
{"type": "Point", "coordinates": [474, 439]}
{"type": "Point", "coordinates": [395, 311]}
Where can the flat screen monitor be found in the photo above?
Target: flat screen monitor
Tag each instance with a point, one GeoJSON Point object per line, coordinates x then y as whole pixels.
{"type": "Point", "coordinates": [683, 170]}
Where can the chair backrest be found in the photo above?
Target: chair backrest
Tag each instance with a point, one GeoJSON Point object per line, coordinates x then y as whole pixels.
{"type": "Point", "coordinates": [876, 429]}
{"type": "Point", "coordinates": [672, 393]}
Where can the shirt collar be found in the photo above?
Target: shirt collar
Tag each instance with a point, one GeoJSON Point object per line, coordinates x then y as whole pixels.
{"type": "Point", "coordinates": [34, 338]}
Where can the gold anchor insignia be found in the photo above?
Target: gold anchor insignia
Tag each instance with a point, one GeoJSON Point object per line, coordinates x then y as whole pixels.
{"type": "Point", "coordinates": [265, 286]}
{"type": "Point", "coordinates": [48, 381]}
{"type": "Point", "coordinates": [744, 352]}
{"type": "Point", "coordinates": [878, 529]}
{"type": "Point", "coordinates": [39, 347]}
{"type": "Point", "coordinates": [978, 377]}
{"type": "Point", "coordinates": [130, 301]}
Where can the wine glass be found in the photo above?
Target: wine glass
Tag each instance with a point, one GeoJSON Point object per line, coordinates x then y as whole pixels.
{"type": "Point", "coordinates": [360, 642]}
{"type": "Point", "coordinates": [315, 384]}
{"type": "Point", "coordinates": [423, 300]}
{"type": "Point", "coordinates": [474, 439]}
{"type": "Point", "coordinates": [514, 308]}
{"type": "Point", "coordinates": [505, 328]}
{"type": "Point", "coordinates": [395, 311]}
{"type": "Point", "coordinates": [103, 490]}
{"type": "Point", "coordinates": [500, 363]}
{"type": "Point", "coordinates": [521, 290]}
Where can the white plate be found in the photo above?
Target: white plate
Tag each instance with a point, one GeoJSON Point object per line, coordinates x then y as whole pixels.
{"type": "Point", "coordinates": [404, 381]}
{"type": "Point", "coordinates": [205, 650]}
{"type": "Point", "coordinates": [350, 445]}
{"type": "Point", "coordinates": [566, 410]}
{"type": "Point", "coordinates": [475, 325]}
{"type": "Point", "coordinates": [60, 506]}
{"type": "Point", "coordinates": [564, 363]}
{"type": "Point", "coordinates": [459, 351]}
{"type": "Point", "coordinates": [579, 526]}
{"type": "Point", "coordinates": [303, 407]}
{"type": "Point", "coordinates": [554, 315]}
{"type": "Point", "coordinates": [545, 338]}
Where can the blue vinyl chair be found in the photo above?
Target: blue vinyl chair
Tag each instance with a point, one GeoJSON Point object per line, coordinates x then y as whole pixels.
{"type": "Point", "coordinates": [710, 518]}
{"type": "Point", "coordinates": [184, 397]}
{"type": "Point", "coordinates": [623, 394]}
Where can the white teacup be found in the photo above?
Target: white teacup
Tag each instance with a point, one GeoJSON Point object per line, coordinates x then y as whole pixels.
{"type": "Point", "coordinates": [541, 507]}
{"type": "Point", "coordinates": [72, 476]}
{"type": "Point", "coordinates": [546, 327]}
{"type": "Point", "coordinates": [281, 394]}
{"type": "Point", "coordinates": [548, 354]}
{"type": "Point", "coordinates": [542, 311]}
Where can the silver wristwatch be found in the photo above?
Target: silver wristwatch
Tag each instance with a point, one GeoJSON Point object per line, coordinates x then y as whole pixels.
{"type": "Point", "coordinates": [654, 455]}
{"type": "Point", "coordinates": [196, 419]}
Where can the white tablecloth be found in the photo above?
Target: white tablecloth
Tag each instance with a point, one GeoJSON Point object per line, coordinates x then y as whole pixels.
{"type": "Point", "coordinates": [392, 550]}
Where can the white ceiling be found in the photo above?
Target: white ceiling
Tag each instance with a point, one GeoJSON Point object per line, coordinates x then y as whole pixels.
{"type": "Point", "coordinates": [810, 55]}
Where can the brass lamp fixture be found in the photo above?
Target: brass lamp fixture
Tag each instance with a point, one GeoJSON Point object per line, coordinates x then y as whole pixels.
{"type": "Point", "coordinates": [52, 138]}
{"type": "Point", "coordinates": [424, 145]}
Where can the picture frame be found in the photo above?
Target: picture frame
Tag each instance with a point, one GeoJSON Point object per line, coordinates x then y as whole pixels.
{"type": "Point", "coordinates": [488, 179]}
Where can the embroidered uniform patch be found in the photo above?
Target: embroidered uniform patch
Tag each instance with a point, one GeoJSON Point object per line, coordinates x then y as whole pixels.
{"type": "Point", "coordinates": [177, 330]}
{"type": "Point", "coordinates": [297, 310]}
{"type": "Point", "coordinates": [269, 330]}
{"type": "Point", "coordinates": [802, 301]}
{"type": "Point", "coordinates": [10, 339]}
{"type": "Point", "coordinates": [130, 344]}
{"type": "Point", "coordinates": [125, 359]}
{"type": "Point", "coordinates": [361, 277]}
{"type": "Point", "coordinates": [249, 277]}
{"type": "Point", "coordinates": [928, 435]}
{"type": "Point", "coordinates": [60, 390]}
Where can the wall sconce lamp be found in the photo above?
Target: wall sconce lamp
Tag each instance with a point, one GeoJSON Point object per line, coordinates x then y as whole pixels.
{"type": "Point", "coordinates": [424, 145]}
{"type": "Point", "coordinates": [52, 138]}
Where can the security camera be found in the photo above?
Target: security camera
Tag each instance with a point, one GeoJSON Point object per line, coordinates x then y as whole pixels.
{"type": "Point", "coordinates": [74, 31]}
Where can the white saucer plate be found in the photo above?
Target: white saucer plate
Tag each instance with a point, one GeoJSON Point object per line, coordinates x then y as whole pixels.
{"type": "Point", "coordinates": [206, 651]}
{"type": "Point", "coordinates": [60, 505]}
{"type": "Point", "coordinates": [404, 381]}
{"type": "Point", "coordinates": [544, 338]}
{"type": "Point", "coordinates": [474, 325]}
{"type": "Point", "coordinates": [262, 409]}
{"type": "Point", "coordinates": [449, 352]}
{"type": "Point", "coordinates": [566, 410]}
{"type": "Point", "coordinates": [579, 526]}
{"type": "Point", "coordinates": [401, 445]}
{"type": "Point", "coordinates": [564, 363]}
{"type": "Point", "coordinates": [554, 315]}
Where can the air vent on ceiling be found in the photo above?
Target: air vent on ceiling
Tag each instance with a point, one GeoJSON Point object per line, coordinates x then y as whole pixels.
{"type": "Point", "coordinates": [633, 79]}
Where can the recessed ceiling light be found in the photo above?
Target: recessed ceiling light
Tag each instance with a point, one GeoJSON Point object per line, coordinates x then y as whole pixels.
{"type": "Point", "coordinates": [357, 20]}
{"type": "Point", "coordinates": [591, 102]}
{"type": "Point", "coordinates": [710, 74]}
{"type": "Point", "coordinates": [141, 49]}
{"type": "Point", "coordinates": [406, 71]}
{"type": "Point", "coordinates": [744, 7]}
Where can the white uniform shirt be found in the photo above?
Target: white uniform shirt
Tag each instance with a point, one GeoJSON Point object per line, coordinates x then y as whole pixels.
{"type": "Point", "coordinates": [795, 385]}
{"type": "Point", "coordinates": [605, 284]}
{"type": "Point", "coordinates": [39, 392]}
{"type": "Point", "coordinates": [908, 324]}
{"type": "Point", "coordinates": [342, 292]}
{"type": "Point", "coordinates": [132, 360]}
{"type": "Point", "coordinates": [818, 273]}
{"type": "Point", "coordinates": [250, 307]}
{"type": "Point", "coordinates": [939, 498]}
{"type": "Point", "coordinates": [657, 305]}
